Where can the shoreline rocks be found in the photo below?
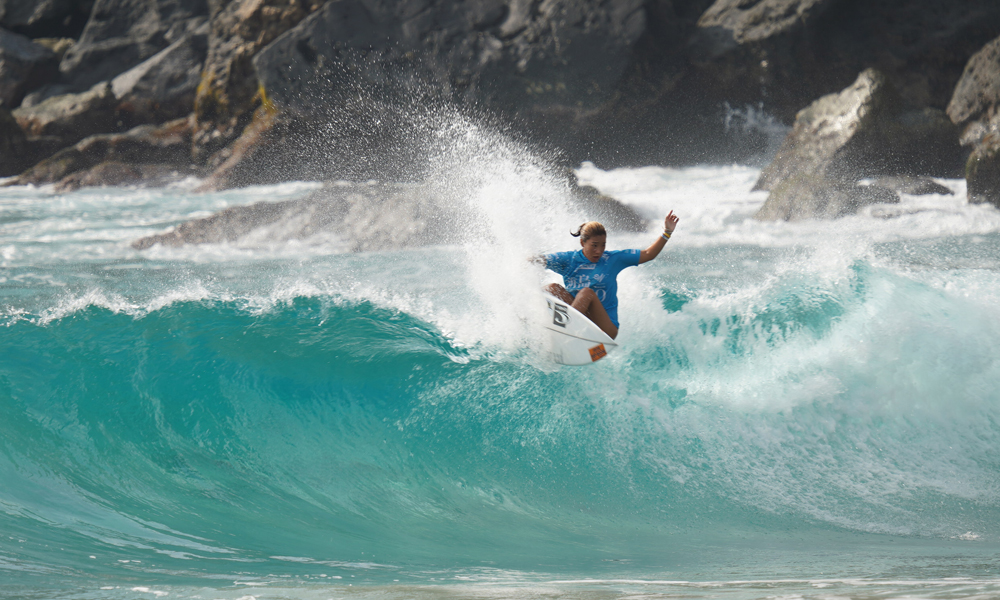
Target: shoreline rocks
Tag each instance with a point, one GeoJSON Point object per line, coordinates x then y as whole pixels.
{"type": "Point", "coordinates": [45, 18]}
{"type": "Point", "coordinates": [24, 65]}
{"type": "Point", "coordinates": [974, 108]}
{"type": "Point", "coordinates": [820, 143]}
{"type": "Point", "coordinates": [351, 89]}
{"type": "Point", "coordinates": [863, 131]}
{"type": "Point", "coordinates": [13, 145]}
{"type": "Point", "coordinates": [913, 186]}
{"type": "Point", "coordinates": [120, 34]}
{"type": "Point", "coordinates": [116, 173]}
{"type": "Point", "coordinates": [71, 117]}
{"type": "Point", "coordinates": [804, 196]}
{"type": "Point", "coordinates": [228, 92]}
{"type": "Point", "coordinates": [168, 144]}
{"type": "Point", "coordinates": [162, 87]}
{"type": "Point", "coordinates": [363, 217]}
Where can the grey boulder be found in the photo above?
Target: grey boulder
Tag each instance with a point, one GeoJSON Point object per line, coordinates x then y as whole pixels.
{"type": "Point", "coordinates": [45, 18]}
{"type": "Point", "coordinates": [13, 145]}
{"type": "Point", "coordinates": [167, 144]}
{"type": "Point", "coordinates": [357, 216]}
{"type": "Point", "coordinates": [805, 196]}
{"type": "Point", "coordinates": [356, 69]}
{"type": "Point", "coordinates": [978, 91]}
{"type": "Point", "coordinates": [974, 107]}
{"type": "Point", "coordinates": [24, 66]}
{"type": "Point", "coordinates": [866, 130]}
{"type": "Point", "coordinates": [123, 33]}
{"type": "Point", "coordinates": [162, 87]}
{"type": "Point", "coordinates": [820, 142]}
{"type": "Point", "coordinates": [71, 117]}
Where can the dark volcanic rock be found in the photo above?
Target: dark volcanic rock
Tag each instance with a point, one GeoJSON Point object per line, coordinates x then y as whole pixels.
{"type": "Point", "coordinates": [974, 106]}
{"type": "Point", "coordinates": [24, 65]}
{"type": "Point", "coordinates": [228, 92]}
{"type": "Point", "coordinates": [45, 92]}
{"type": "Point", "coordinates": [740, 21]}
{"type": "Point", "coordinates": [862, 132]}
{"type": "Point", "coordinates": [363, 217]}
{"type": "Point", "coordinates": [58, 46]}
{"type": "Point", "coordinates": [607, 210]}
{"type": "Point", "coordinates": [122, 33]}
{"type": "Point", "coordinates": [820, 142]}
{"type": "Point", "coordinates": [807, 196]}
{"type": "Point", "coordinates": [163, 87]}
{"type": "Point", "coordinates": [914, 186]}
{"type": "Point", "coordinates": [982, 171]}
{"type": "Point", "coordinates": [71, 117]}
{"type": "Point", "coordinates": [168, 144]}
{"type": "Point", "coordinates": [261, 151]}
{"type": "Point", "coordinates": [787, 52]}
{"type": "Point", "coordinates": [116, 173]}
{"type": "Point", "coordinates": [920, 141]}
{"type": "Point", "coordinates": [13, 145]}
{"type": "Point", "coordinates": [372, 139]}
{"type": "Point", "coordinates": [45, 18]}
{"type": "Point", "coordinates": [978, 91]}
{"type": "Point", "coordinates": [352, 67]}
{"type": "Point", "coordinates": [560, 54]}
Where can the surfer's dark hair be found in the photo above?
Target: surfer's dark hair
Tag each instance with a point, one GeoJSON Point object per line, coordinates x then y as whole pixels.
{"type": "Point", "coordinates": [588, 230]}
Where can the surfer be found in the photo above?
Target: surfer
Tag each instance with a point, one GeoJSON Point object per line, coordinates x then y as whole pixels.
{"type": "Point", "coordinates": [590, 273]}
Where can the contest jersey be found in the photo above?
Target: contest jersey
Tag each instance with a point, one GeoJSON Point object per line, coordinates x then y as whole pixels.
{"type": "Point", "coordinates": [579, 273]}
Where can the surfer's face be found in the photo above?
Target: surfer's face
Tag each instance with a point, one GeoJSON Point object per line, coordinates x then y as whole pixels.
{"type": "Point", "coordinates": [593, 248]}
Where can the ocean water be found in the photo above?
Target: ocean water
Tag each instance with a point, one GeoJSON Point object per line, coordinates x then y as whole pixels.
{"type": "Point", "coordinates": [796, 410]}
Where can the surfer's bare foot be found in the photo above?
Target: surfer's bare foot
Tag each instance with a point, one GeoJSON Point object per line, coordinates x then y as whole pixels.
{"type": "Point", "coordinates": [559, 292]}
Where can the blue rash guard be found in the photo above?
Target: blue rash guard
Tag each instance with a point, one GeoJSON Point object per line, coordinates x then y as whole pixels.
{"type": "Point", "coordinates": [578, 273]}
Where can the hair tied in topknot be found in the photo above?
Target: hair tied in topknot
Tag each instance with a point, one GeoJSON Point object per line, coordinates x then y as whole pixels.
{"type": "Point", "coordinates": [588, 230]}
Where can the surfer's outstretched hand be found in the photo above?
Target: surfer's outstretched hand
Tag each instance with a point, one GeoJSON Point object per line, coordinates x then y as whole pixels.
{"type": "Point", "coordinates": [670, 222]}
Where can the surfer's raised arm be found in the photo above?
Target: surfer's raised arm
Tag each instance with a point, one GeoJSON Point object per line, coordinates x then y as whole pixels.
{"type": "Point", "coordinates": [669, 224]}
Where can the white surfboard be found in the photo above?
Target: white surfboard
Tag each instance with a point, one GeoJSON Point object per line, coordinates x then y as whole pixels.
{"type": "Point", "coordinates": [573, 339]}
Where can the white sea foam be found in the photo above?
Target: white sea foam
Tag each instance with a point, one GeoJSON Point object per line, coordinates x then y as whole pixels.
{"type": "Point", "coordinates": [716, 206]}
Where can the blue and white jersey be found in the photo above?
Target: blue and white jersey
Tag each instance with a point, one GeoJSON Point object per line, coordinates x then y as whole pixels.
{"type": "Point", "coordinates": [578, 273]}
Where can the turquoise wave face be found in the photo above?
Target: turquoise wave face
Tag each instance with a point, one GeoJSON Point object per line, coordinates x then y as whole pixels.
{"type": "Point", "coordinates": [790, 402]}
{"type": "Point", "coordinates": [335, 435]}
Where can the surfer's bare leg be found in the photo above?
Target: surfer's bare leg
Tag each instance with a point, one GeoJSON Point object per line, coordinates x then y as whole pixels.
{"type": "Point", "coordinates": [559, 292]}
{"type": "Point", "coordinates": [586, 302]}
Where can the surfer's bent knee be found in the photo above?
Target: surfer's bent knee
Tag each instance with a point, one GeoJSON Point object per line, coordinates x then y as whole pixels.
{"type": "Point", "coordinates": [559, 292]}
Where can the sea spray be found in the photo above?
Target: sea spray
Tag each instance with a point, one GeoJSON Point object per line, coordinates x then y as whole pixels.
{"type": "Point", "coordinates": [512, 205]}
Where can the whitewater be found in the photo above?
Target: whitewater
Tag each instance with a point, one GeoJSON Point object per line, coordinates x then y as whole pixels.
{"type": "Point", "coordinates": [798, 410]}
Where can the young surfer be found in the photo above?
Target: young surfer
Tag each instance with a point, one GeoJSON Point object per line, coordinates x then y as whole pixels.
{"type": "Point", "coordinates": [590, 273]}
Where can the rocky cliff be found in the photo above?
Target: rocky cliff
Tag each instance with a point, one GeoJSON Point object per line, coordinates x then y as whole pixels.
{"type": "Point", "coordinates": [343, 89]}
